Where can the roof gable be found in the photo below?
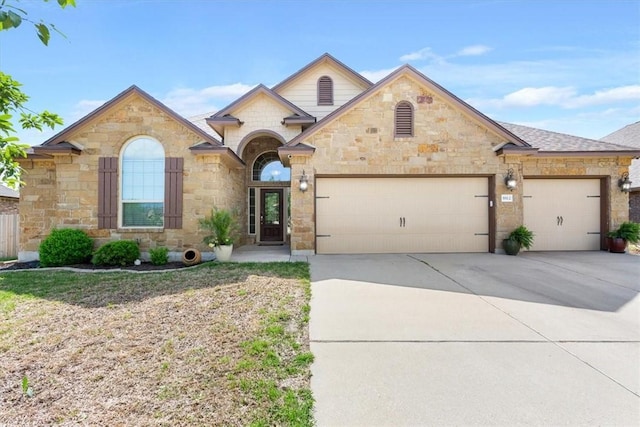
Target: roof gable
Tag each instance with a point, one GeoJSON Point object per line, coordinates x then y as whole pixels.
{"type": "Point", "coordinates": [407, 70]}
{"type": "Point", "coordinates": [253, 94]}
{"type": "Point", "coordinates": [225, 117]}
{"type": "Point", "coordinates": [325, 58]}
{"type": "Point", "coordinates": [126, 94]}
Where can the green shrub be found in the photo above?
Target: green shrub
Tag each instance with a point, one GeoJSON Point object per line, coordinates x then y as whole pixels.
{"type": "Point", "coordinates": [159, 256]}
{"type": "Point", "coordinates": [65, 246]}
{"type": "Point", "coordinates": [121, 252]}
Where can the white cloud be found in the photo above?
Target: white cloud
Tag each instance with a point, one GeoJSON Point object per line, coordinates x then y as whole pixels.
{"type": "Point", "coordinates": [375, 75]}
{"type": "Point", "coordinates": [564, 97]}
{"type": "Point", "coordinates": [474, 50]}
{"type": "Point", "coordinates": [606, 96]}
{"type": "Point", "coordinates": [82, 108]}
{"type": "Point", "coordinates": [421, 54]}
{"type": "Point", "coordinates": [190, 102]}
{"type": "Point", "coordinates": [531, 96]}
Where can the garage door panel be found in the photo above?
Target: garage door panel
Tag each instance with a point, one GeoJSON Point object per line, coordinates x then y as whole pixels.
{"type": "Point", "coordinates": [564, 214]}
{"type": "Point", "coordinates": [397, 215]}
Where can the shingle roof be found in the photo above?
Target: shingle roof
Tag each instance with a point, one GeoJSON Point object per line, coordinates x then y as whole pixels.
{"type": "Point", "coordinates": [201, 122]}
{"type": "Point", "coordinates": [629, 136]}
{"type": "Point", "coordinates": [8, 192]}
{"type": "Point", "coordinates": [554, 141]}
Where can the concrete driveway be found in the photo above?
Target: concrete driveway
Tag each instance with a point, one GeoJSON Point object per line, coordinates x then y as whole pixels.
{"type": "Point", "coordinates": [476, 339]}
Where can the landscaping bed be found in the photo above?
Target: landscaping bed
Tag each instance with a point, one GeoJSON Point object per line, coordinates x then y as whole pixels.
{"type": "Point", "coordinates": [218, 344]}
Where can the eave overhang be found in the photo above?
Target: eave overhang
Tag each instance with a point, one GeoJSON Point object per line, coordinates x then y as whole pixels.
{"type": "Point", "coordinates": [230, 158]}
{"type": "Point", "coordinates": [536, 152]}
{"type": "Point", "coordinates": [286, 152]}
{"type": "Point", "coordinates": [297, 120]}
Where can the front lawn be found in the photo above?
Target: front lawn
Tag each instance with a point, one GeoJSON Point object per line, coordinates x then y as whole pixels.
{"type": "Point", "coordinates": [221, 344]}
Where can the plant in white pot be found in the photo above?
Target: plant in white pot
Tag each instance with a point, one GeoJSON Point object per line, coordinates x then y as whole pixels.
{"type": "Point", "coordinates": [223, 226]}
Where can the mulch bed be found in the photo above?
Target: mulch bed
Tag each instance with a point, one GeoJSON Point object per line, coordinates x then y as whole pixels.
{"type": "Point", "coordinates": [145, 266]}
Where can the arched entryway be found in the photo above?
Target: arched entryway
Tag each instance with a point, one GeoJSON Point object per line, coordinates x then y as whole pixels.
{"type": "Point", "coordinates": [268, 184]}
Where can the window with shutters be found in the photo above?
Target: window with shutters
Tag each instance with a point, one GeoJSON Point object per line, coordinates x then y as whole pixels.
{"type": "Point", "coordinates": [142, 183]}
{"type": "Point", "coordinates": [403, 120]}
{"type": "Point", "coordinates": [325, 91]}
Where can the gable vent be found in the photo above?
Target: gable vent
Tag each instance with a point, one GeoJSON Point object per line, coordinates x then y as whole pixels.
{"type": "Point", "coordinates": [325, 91]}
{"type": "Point", "coordinates": [404, 119]}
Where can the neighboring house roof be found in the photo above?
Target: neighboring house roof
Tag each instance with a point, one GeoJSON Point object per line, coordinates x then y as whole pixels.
{"type": "Point", "coordinates": [629, 136]}
{"type": "Point", "coordinates": [546, 140]}
{"type": "Point", "coordinates": [224, 117]}
{"type": "Point", "coordinates": [61, 136]}
{"type": "Point", "coordinates": [433, 86]}
{"type": "Point", "coordinates": [323, 58]}
{"type": "Point", "coordinates": [8, 192]}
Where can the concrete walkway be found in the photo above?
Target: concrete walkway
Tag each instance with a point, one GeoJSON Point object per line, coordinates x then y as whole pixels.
{"type": "Point", "coordinates": [273, 253]}
{"type": "Point", "coordinates": [476, 339]}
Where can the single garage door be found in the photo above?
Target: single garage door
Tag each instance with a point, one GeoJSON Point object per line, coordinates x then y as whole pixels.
{"type": "Point", "coordinates": [401, 215]}
{"type": "Point", "coordinates": [564, 214]}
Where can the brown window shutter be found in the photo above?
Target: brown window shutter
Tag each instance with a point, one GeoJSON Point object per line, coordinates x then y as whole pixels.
{"type": "Point", "coordinates": [173, 192]}
{"type": "Point", "coordinates": [325, 91]}
{"type": "Point", "coordinates": [404, 119]}
{"type": "Point", "coordinates": [108, 192]}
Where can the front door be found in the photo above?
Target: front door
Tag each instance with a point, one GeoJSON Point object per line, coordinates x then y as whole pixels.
{"type": "Point", "coordinates": [271, 215]}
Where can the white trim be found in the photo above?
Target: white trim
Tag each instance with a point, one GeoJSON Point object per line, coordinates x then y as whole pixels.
{"type": "Point", "coordinates": [120, 173]}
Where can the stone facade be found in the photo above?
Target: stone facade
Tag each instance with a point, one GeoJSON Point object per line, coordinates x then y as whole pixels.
{"type": "Point", "coordinates": [446, 141]}
{"type": "Point", "coordinates": [63, 191]}
{"type": "Point", "coordinates": [450, 139]}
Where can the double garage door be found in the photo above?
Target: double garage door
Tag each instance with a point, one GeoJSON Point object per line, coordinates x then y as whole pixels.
{"type": "Point", "coordinates": [413, 215]}
{"type": "Point", "coordinates": [402, 215]}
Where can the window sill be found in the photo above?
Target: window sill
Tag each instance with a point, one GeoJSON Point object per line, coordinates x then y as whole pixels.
{"type": "Point", "coordinates": [140, 230]}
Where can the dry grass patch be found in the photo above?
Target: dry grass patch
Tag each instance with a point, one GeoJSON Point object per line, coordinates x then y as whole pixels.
{"type": "Point", "coordinates": [224, 344]}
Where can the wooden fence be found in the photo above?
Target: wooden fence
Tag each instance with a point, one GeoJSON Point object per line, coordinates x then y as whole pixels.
{"type": "Point", "coordinates": [9, 235]}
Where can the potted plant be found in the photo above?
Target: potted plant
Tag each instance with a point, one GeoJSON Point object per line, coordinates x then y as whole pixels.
{"type": "Point", "coordinates": [223, 226]}
{"type": "Point", "coordinates": [521, 237]}
{"type": "Point", "coordinates": [628, 232]}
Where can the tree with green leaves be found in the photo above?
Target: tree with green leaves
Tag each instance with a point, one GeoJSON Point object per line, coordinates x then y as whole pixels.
{"type": "Point", "coordinates": [13, 101]}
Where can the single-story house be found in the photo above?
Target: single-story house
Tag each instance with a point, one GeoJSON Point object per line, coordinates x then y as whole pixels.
{"type": "Point", "coordinates": [327, 162]}
{"type": "Point", "coordinates": [630, 136]}
{"type": "Point", "coordinates": [9, 199]}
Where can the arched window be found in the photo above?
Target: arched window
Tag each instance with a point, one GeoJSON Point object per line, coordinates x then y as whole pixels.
{"type": "Point", "coordinates": [142, 183]}
{"type": "Point", "coordinates": [325, 91]}
{"type": "Point", "coordinates": [268, 167]}
{"type": "Point", "coordinates": [403, 120]}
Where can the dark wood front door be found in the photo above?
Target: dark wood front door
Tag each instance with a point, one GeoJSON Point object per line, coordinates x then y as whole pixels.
{"type": "Point", "coordinates": [271, 215]}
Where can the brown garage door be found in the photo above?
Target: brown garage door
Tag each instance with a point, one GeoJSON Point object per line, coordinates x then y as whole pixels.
{"type": "Point", "coordinates": [402, 215]}
{"type": "Point", "coordinates": [564, 214]}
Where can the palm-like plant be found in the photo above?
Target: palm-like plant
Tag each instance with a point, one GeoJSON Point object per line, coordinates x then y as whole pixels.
{"type": "Point", "coordinates": [523, 236]}
{"type": "Point", "coordinates": [222, 225]}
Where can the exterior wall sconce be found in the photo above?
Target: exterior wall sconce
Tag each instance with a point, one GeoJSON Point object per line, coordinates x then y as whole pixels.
{"type": "Point", "coordinates": [624, 183]}
{"type": "Point", "coordinates": [304, 182]}
{"type": "Point", "coordinates": [510, 180]}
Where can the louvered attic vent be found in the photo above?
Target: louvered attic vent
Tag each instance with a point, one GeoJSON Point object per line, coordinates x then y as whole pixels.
{"type": "Point", "coordinates": [325, 91]}
{"type": "Point", "coordinates": [404, 119]}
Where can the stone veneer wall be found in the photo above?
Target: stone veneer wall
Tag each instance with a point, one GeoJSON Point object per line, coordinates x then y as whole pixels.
{"type": "Point", "coordinates": [63, 192]}
{"type": "Point", "coordinates": [445, 141]}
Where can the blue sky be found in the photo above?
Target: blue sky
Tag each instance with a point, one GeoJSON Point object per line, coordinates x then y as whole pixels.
{"type": "Point", "coordinates": [568, 66]}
